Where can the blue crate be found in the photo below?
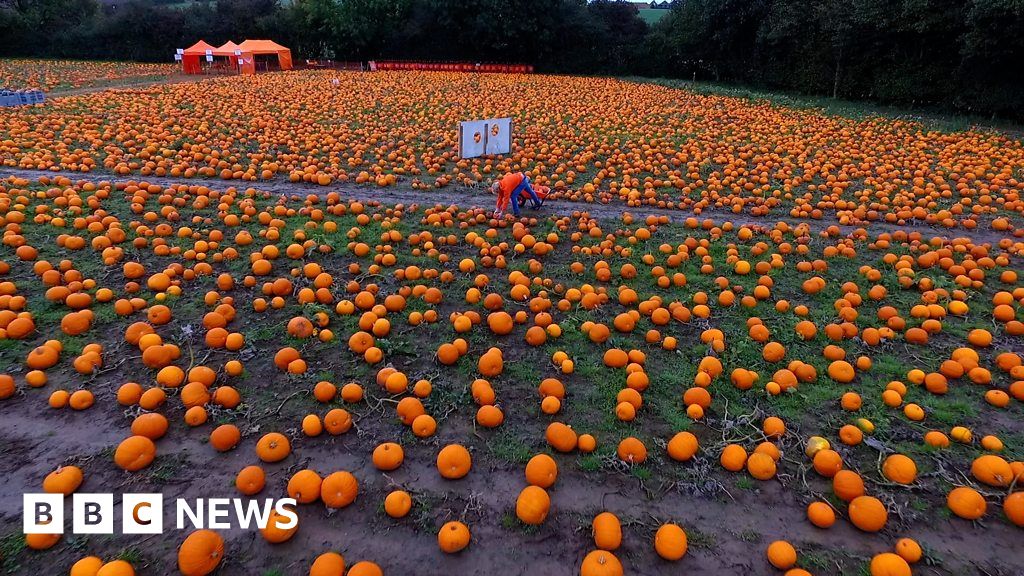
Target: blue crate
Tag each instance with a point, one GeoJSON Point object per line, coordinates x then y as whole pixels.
{"type": "Point", "coordinates": [9, 98]}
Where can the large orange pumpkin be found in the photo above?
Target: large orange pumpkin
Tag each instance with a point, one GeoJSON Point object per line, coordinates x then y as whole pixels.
{"type": "Point", "coordinates": [200, 553]}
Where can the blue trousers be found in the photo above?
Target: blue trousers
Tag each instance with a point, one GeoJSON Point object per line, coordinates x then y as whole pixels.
{"type": "Point", "coordinates": [524, 185]}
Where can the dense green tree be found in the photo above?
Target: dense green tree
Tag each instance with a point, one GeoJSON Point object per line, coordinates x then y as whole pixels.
{"type": "Point", "coordinates": [28, 26]}
{"type": "Point", "coordinates": [961, 54]}
{"type": "Point", "coordinates": [318, 22]}
{"type": "Point", "coordinates": [964, 55]}
{"type": "Point", "coordinates": [991, 72]}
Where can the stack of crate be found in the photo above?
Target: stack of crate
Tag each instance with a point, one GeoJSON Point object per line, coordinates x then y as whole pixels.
{"type": "Point", "coordinates": [21, 97]}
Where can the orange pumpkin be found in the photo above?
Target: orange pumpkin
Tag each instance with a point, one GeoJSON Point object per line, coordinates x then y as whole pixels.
{"type": "Point", "coordinates": [135, 453]}
{"type": "Point", "coordinates": [454, 462]}
{"type": "Point", "coordinates": [453, 537]}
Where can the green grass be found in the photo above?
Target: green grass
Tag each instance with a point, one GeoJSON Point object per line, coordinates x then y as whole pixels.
{"type": "Point", "coordinates": [11, 546]}
{"type": "Point", "coordinates": [856, 110]}
{"type": "Point", "coordinates": [510, 447]}
{"type": "Point", "coordinates": [167, 468]}
{"type": "Point", "coordinates": [749, 536]}
{"type": "Point", "coordinates": [652, 15]}
{"type": "Point", "coordinates": [132, 556]}
{"type": "Point", "coordinates": [641, 472]}
{"type": "Point", "coordinates": [744, 482]}
{"type": "Point", "coordinates": [510, 522]}
{"type": "Point", "coordinates": [700, 539]}
{"type": "Point", "coordinates": [590, 463]}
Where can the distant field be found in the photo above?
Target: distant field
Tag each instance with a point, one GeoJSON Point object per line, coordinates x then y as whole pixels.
{"type": "Point", "coordinates": [652, 15]}
{"type": "Point", "coordinates": [51, 75]}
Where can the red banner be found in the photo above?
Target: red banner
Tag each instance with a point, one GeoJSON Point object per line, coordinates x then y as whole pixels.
{"type": "Point", "coordinates": [454, 67]}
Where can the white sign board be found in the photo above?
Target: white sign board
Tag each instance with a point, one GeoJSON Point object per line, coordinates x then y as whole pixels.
{"type": "Point", "coordinates": [472, 139]}
{"type": "Point", "coordinates": [480, 137]}
{"type": "Point", "coordinates": [177, 57]}
{"type": "Point", "coordinates": [499, 135]}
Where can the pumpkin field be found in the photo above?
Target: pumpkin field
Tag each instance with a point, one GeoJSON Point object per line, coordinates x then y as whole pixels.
{"type": "Point", "coordinates": [738, 338]}
{"type": "Point", "coordinates": [64, 75]}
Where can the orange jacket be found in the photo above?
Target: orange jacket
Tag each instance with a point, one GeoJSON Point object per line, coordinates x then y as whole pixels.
{"type": "Point", "coordinates": [506, 186]}
{"type": "Point", "coordinates": [509, 182]}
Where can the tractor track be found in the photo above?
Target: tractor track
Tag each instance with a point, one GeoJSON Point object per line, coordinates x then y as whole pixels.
{"type": "Point", "coordinates": [468, 197]}
{"type": "Point", "coordinates": [127, 85]}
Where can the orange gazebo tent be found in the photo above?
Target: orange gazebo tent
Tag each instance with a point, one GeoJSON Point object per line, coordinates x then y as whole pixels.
{"type": "Point", "coordinates": [252, 48]}
{"type": "Point", "coordinates": [241, 56]}
{"type": "Point", "coordinates": [228, 50]}
{"type": "Point", "coordinates": [191, 57]}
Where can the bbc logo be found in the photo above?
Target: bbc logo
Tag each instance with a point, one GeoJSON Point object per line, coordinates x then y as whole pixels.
{"type": "Point", "coordinates": [93, 514]}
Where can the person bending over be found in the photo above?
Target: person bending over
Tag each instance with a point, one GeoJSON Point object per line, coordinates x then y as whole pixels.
{"type": "Point", "coordinates": [509, 187]}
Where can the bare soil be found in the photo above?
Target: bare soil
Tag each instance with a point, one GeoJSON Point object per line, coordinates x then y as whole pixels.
{"type": "Point", "coordinates": [728, 531]}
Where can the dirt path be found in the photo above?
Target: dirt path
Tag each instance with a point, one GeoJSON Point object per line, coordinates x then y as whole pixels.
{"type": "Point", "coordinates": [467, 198]}
{"type": "Point", "coordinates": [463, 196]}
{"type": "Point", "coordinates": [143, 83]}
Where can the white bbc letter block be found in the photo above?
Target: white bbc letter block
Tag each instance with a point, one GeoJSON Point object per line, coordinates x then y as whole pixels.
{"type": "Point", "coordinates": [218, 511]}
{"type": "Point", "coordinates": [142, 514]}
{"type": "Point", "coordinates": [92, 514]}
{"type": "Point", "coordinates": [196, 517]}
{"type": "Point", "coordinates": [42, 514]}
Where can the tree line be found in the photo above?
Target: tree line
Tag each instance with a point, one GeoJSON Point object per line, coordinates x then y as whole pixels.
{"type": "Point", "coordinates": [960, 55]}
{"type": "Point", "coordinates": [965, 56]}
